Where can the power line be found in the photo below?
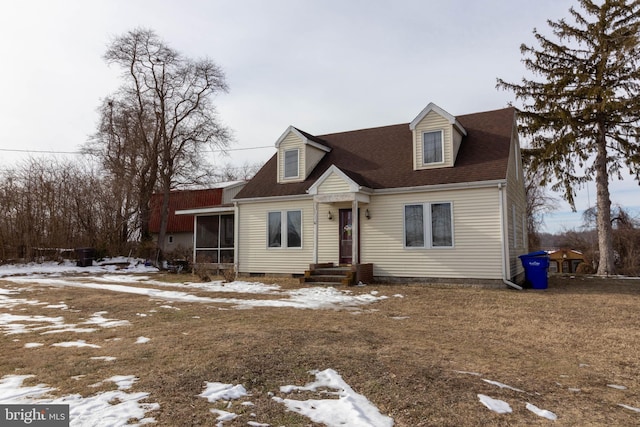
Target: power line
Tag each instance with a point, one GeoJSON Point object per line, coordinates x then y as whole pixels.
{"type": "Point", "coordinates": [243, 149]}
{"type": "Point", "coordinates": [16, 150]}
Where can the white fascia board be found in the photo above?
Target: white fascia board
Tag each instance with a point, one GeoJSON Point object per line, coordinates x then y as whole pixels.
{"type": "Point", "coordinates": [205, 211]}
{"type": "Point", "coordinates": [284, 135]}
{"type": "Point", "coordinates": [442, 187]}
{"type": "Point", "coordinates": [433, 107]}
{"type": "Point", "coordinates": [272, 199]}
{"type": "Point", "coordinates": [317, 145]}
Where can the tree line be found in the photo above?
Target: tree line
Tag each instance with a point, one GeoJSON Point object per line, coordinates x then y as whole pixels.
{"type": "Point", "coordinates": [49, 206]}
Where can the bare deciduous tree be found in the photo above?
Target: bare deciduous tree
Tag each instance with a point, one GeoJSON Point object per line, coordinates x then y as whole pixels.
{"type": "Point", "coordinates": [154, 130]}
{"type": "Point", "coordinates": [244, 172]}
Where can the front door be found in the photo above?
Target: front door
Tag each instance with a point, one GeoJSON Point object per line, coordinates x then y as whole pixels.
{"type": "Point", "coordinates": [346, 236]}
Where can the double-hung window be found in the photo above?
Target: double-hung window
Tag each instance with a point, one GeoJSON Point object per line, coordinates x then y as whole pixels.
{"type": "Point", "coordinates": [291, 169]}
{"type": "Point", "coordinates": [432, 147]}
{"type": "Point", "coordinates": [428, 225]}
{"type": "Point", "coordinates": [284, 229]}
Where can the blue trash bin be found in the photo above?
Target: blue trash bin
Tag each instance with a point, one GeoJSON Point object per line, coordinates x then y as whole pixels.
{"type": "Point", "coordinates": [535, 266]}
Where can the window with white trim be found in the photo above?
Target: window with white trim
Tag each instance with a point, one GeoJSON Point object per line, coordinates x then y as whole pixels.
{"type": "Point", "coordinates": [428, 225]}
{"type": "Point", "coordinates": [432, 147]}
{"type": "Point", "coordinates": [284, 229]}
{"type": "Point", "coordinates": [291, 169]}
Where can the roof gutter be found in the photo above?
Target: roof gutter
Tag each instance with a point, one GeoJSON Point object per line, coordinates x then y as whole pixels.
{"type": "Point", "coordinates": [440, 187]}
{"type": "Point", "coordinates": [503, 240]}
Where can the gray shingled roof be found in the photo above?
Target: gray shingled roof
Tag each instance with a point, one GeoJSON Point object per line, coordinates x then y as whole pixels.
{"type": "Point", "coordinates": [382, 157]}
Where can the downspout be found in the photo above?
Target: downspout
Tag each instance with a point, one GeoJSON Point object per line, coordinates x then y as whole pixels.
{"type": "Point", "coordinates": [503, 241]}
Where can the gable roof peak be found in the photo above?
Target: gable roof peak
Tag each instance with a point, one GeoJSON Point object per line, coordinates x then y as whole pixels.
{"type": "Point", "coordinates": [344, 174]}
{"type": "Point", "coordinates": [433, 107]}
{"type": "Point", "coordinates": [307, 138]}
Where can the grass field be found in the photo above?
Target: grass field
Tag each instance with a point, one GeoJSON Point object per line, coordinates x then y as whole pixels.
{"type": "Point", "coordinates": [421, 356]}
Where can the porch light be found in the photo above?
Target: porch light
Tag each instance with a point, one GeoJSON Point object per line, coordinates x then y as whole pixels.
{"type": "Point", "coordinates": [329, 216]}
{"type": "Point", "coordinates": [367, 214]}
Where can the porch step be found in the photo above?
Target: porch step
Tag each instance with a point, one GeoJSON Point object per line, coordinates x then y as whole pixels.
{"type": "Point", "coordinates": [328, 275]}
{"type": "Point", "coordinates": [315, 278]}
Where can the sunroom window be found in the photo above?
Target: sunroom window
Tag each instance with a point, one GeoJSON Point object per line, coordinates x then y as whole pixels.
{"type": "Point", "coordinates": [214, 239]}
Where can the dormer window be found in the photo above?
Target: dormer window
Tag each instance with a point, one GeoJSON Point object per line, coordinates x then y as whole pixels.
{"type": "Point", "coordinates": [437, 137]}
{"type": "Point", "coordinates": [291, 169]}
{"type": "Point", "coordinates": [432, 147]}
{"type": "Point", "coordinates": [298, 154]}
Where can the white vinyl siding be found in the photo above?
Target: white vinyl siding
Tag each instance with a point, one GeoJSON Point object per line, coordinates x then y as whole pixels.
{"type": "Point", "coordinates": [514, 225]}
{"type": "Point", "coordinates": [312, 157]}
{"type": "Point", "coordinates": [254, 254]}
{"type": "Point", "coordinates": [334, 184]}
{"type": "Point", "coordinates": [477, 249]}
{"type": "Point", "coordinates": [516, 199]}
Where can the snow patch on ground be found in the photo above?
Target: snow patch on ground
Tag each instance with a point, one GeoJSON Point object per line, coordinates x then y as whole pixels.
{"type": "Point", "coordinates": [219, 391]}
{"type": "Point", "coordinates": [113, 408]}
{"type": "Point", "coordinates": [501, 385]}
{"type": "Point", "coordinates": [496, 405]}
{"type": "Point", "coordinates": [347, 409]}
{"type": "Point", "coordinates": [350, 408]}
{"type": "Point", "coordinates": [541, 412]}
{"type": "Point", "coordinates": [78, 343]}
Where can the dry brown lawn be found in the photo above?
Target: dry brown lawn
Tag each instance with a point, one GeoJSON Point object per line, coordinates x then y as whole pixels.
{"type": "Point", "coordinates": [412, 357]}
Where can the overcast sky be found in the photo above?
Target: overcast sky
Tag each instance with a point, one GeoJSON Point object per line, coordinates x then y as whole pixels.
{"type": "Point", "coordinates": [321, 65]}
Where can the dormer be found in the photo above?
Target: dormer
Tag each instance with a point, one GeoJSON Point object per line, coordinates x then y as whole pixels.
{"type": "Point", "coordinates": [298, 153]}
{"type": "Point", "coordinates": [437, 136]}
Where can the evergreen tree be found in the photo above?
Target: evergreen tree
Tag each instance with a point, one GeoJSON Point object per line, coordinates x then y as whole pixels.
{"type": "Point", "coordinates": [582, 115]}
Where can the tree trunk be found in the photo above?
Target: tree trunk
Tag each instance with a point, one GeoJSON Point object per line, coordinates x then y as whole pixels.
{"type": "Point", "coordinates": [606, 265]}
{"type": "Point", "coordinates": [164, 221]}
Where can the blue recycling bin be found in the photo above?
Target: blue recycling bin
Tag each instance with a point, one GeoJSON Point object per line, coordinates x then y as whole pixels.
{"type": "Point", "coordinates": [535, 266]}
